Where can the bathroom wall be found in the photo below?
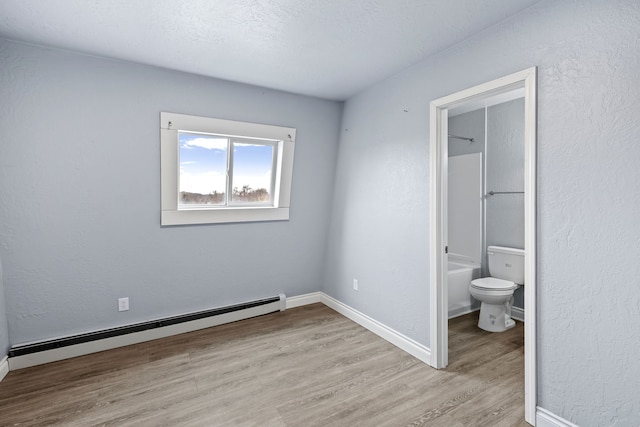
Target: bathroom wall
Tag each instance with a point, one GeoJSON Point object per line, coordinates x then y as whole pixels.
{"type": "Point", "coordinates": [588, 126]}
{"type": "Point", "coordinates": [505, 172]}
{"type": "Point", "coordinates": [470, 125]}
{"type": "Point", "coordinates": [80, 195]}
{"type": "Point", "coordinates": [504, 162]}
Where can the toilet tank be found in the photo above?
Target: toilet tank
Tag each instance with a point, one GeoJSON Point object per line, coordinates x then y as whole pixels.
{"type": "Point", "coordinates": [506, 263]}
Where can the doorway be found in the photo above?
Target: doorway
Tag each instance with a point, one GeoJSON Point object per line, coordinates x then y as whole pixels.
{"type": "Point", "coordinates": [477, 97]}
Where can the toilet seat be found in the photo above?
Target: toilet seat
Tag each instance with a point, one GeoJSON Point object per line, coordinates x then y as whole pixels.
{"type": "Point", "coordinates": [493, 284]}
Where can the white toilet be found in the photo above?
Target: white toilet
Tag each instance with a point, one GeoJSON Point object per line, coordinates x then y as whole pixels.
{"type": "Point", "coordinates": [506, 266]}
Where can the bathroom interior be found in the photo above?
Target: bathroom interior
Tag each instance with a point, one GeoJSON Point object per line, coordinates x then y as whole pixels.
{"type": "Point", "coordinates": [485, 208]}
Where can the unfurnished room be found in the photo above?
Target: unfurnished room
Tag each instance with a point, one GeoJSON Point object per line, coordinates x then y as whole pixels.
{"type": "Point", "coordinates": [320, 213]}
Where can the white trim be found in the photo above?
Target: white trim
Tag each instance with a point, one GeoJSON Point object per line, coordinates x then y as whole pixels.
{"type": "Point", "coordinates": [517, 313]}
{"type": "Point", "coordinates": [530, 246]}
{"type": "Point", "coordinates": [485, 103]}
{"type": "Point", "coordinates": [401, 341]}
{"type": "Point", "coordinates": [390, 335]}
{"type": "Point", "coordinates": [41, 357]}
{"type": "Point", "coordinates": [305, 299]}
{"type": "Point", "coordinates": [462, 311]}
{"type": "Point", "coordinates": [396, 338]}
{"type": "Point", "coordinates": [545, 418]}
{"type": "Point", "coordinates": [283, 140]}
{"type": "Point", "coordinates": [438, 219]}
{"type": "Point", "coordinates": [4, 367]}
{"type": "Point", "coordinates": [223, 215]}
{"type": "Point", "coordinates": [438, 307]}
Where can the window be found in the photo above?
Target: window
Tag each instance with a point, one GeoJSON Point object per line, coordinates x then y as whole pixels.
{"type": "Point", "coordinates": [217, 171]}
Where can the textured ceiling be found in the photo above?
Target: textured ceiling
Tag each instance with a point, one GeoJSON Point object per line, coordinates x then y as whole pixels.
{"type": "Point", "coordinates": [326, 48]}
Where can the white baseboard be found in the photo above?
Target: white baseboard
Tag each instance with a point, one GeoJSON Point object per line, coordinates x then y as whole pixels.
{"type": "Point", "coordinates": [305, 299]}
{"type": "Point", "coordinates": [47, 356]}
{"type": "Point", "coordinates": [462, 311]}
{"type": "Point", "coordinates": [4, 367]}
{"type": "Point", "coordinates": [401, 341]}
{"type": "Point", "coordinates": [517, 313]}
{"type": "Point", "coordinates": [545, 418]}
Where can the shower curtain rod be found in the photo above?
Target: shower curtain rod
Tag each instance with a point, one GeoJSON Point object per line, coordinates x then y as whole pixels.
{"type": "Point", "coordinates": [461, 137]}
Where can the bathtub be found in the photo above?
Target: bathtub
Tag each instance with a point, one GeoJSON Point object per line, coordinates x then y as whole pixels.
{"type": "Point", "coordinates": [460, 275]}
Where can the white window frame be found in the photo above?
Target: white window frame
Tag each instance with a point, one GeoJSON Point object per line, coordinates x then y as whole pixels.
{"type": "Point", "coordinates": [284, 141]}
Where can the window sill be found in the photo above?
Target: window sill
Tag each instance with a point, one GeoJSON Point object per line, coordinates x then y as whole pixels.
{"type": "Point", "coordinates": [223, 216]}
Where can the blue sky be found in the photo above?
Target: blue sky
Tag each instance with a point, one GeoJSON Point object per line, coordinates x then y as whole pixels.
{"type": "Point", "coordinates": [203, 162]}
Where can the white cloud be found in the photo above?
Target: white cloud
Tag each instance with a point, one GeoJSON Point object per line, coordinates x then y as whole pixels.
{"type": "Point", "coordinates": [207, 143]}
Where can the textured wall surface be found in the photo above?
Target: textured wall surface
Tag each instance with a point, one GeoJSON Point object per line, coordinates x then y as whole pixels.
{"type": "Point", "coordinates": [80, 196]}
{"type": "Point", "coordinates": [4, 329]}
{"type": "Point", "coordinates": [588, 199]}
{"type": "Point", "coordinates": [505, 172]}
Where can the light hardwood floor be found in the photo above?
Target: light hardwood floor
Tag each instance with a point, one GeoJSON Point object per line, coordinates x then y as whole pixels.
{"type": "Point", "coordinates": [307, 366]}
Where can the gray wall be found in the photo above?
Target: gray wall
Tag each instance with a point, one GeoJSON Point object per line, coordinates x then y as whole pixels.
{"type": "Point", "coordinates": [80, 196]}
{"type": "Point", "coordinates": [4, 329]}
{"type": "Point", "coordinates": [505, 172]}
{"type": "Point", "coordinates": [588, 203]}
{"type": "Point", "coordinates": [470, 125]}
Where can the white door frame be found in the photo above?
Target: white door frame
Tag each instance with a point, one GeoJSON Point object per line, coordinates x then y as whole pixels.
{"type": "Point", "coordinates": [526, 80]}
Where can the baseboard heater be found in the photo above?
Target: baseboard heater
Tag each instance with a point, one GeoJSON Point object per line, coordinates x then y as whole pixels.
{"type": "Point", "coordinates": [24, 355]}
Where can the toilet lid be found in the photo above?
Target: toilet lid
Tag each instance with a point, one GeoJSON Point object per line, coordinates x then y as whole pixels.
{"type": "Point", "coordinates": [493, 283]}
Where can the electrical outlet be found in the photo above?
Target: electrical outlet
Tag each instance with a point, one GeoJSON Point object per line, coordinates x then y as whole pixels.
{"type": "Point", "coordinates": [355, 284]}
{"type": "Point", "coordinates": [123, 304]}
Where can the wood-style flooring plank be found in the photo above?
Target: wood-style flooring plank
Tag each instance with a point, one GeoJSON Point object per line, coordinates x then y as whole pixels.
{"type": "Point", "coordinates": [307, 366]}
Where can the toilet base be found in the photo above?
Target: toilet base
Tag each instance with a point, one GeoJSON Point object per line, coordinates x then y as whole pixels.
{"type": "Point", "coordinates": [494, 318]}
